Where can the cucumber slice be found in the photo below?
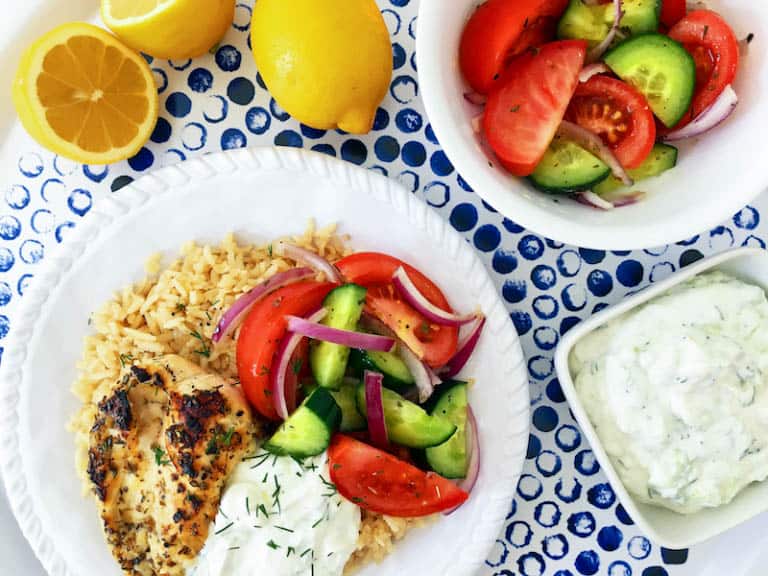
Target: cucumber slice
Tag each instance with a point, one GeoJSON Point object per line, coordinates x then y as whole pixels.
{"type": "Point", "coordinates": [397, 377]}
{"type": "Point", "coordinates": [593, 22]}
{"type": "Point", "coordinates": [407, 423]}
{"type": "Point", "coordinates": [308, 431]}
{"type": "Point", "coordinates": [661, 69]}
{"type": "Point", "coordinates": [566, 168]}
{"type": "Point", "coordinates": [329, 361]}
{"type": "Point", "coordinates": [450, 459]}
{"type": "Point", "coordinates": [662, 158]}
{"type": "Point", "coordinates": [351, 419]}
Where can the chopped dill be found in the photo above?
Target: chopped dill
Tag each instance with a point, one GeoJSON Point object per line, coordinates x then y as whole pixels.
{"type": "Point", "coordinates": [227, 527]}
{"type": "Point", "coordinates": [206, 349]}
{"type": "Point", "coordinates": [160, 458]}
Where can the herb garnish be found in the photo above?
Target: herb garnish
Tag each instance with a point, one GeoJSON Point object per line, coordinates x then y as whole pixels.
{"type": "Point", "coordinates": [125, 359]}
{"type": "Point", "coordinates": [160, 458]}
{"type": "Point", "coordinates": [273, 545]}
{"type": "Point", "coordinates": [227, 527]}
{"type": "Point", "coordinates": [206, 349]}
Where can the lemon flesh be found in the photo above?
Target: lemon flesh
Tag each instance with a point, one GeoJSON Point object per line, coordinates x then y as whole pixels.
{"type": "Point", "coordinates": [328, 63]}
{"type": "Point", "coordinates": [176, 29]}
{"type": "Point", "coordinates": [84, 95]}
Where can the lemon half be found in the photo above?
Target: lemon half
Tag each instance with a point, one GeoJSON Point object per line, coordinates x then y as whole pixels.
{"type": "Point", "coordinates": [176, 29]}
{"type": "Point", "coordinates": [84, 95]}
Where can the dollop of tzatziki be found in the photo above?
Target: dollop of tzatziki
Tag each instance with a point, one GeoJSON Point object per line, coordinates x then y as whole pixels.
{"type": "Point", "coordinates": [677, 391]}
{"type": "Point", "coordinates": [282, 517]}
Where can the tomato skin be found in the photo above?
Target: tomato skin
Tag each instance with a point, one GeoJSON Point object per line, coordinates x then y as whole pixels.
{"type": "Point", "coordinates": [501, 29]}
{"type": "Point", "coordinates": [526, 107]}
{"type": "Point", "coordinates": [432, 343]}
{"type": "Point", "coordinates": [593, 107]}
{"type": "Point", "coordinates": [672, 11]}
{"type": "Point", "coordinates": [261, 334]}
{"type": "Point", "coordinates": [380, 482]}
{"type": "Point", "coordinates": [715, 48]}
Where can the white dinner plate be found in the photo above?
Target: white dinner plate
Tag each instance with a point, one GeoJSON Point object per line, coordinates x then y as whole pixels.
{"type": "Point", "coordinates": [258, 194]}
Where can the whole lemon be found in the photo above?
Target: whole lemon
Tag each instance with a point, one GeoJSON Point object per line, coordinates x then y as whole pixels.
{"type": "Point", "coordinates": [328, 63]}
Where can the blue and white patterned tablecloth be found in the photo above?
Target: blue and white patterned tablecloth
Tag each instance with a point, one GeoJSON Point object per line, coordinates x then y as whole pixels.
{"type": "Point", "coordinates": [565, 520]}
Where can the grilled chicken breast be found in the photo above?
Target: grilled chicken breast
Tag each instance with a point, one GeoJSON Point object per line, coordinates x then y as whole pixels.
{"type": "Point", "coordinates": [162, 445]}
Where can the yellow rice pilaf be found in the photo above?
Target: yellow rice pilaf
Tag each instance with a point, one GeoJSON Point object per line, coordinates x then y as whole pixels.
{"type": "Point", "coordinates": [174, 310]}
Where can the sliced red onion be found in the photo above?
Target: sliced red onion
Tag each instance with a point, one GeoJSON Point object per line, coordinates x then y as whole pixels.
{"type": "Point", "coordinates": [415, 298]}
{"type": "Point", "coordinates": [347, 338]}
{"type": "Point", "coordinates": [475, 98]}
{"type": "Point", "coordinates": [713, 116]}
{"type": "Point", "coordinates": [591, 199]}
{"type": "Point", "coordinates": [466, 347]}
{"type": "Point", "coordinates": [473, 440]}
{"type": "Point", "coordinates": [597, 52]}
{"type": "Point", "coordinates": [374, 409]}
{"type": "Point", "coordinates": [279, 374]}
{"type": "Point", "coordinates": [620, 200]}
{"type": "Point", "coordinates": [308, 258]}
{"type": "Point", "coordinates": [594, 144]}
{"type": "Point", "coordinates": [473, 448]}
{"type": "Point", "coordinates": [232, 317]}
{"type": "Point", "coordinates": [434, 379]}
{"type": "Point", "coordinates": [419, 371]}
{"type": "Point", "coordinates": [593, 70]}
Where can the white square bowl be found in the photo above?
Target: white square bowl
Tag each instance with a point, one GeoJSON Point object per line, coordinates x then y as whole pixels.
{"type": "Point", "coordinates": [668, 528]}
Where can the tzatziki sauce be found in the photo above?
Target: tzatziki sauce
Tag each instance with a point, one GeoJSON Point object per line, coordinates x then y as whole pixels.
{"type": "Point", "coordinates": [283, 517]}
{"type": "Point", "coordinates": [677, 391]}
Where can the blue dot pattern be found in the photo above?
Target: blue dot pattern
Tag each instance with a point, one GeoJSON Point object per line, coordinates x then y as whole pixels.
{"type": "Point", "coordinates": [565, 519]}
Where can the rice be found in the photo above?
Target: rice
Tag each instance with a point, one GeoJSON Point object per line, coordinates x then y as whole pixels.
{"type": "Point", "coordinates": [174, 310]}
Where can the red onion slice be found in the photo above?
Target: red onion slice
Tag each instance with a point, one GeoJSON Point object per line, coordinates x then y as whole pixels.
{"type": "Point", "coordinates": [620, 199]}
{"type": "Point", "coordinates": [343, 337]}
{"type": "Point", "coordinates": [475, 98]}
{"type": "Point", "coordinates": [594, 144]}
{"type": "Point", "coordinates": [308, 258]}
{"type": "Point", "coordinates": [591, 199]}
{"type": "Point", "coordinates": [593, 70]}
{"type": "Point", "coordinates": [281, 396]}
{"type": "Point", "coordinates": [374, 408]}
{"type": "Point", "coordinates": [415, 298]}
{"type": "Point", "coordinates": [597, 52]}
{"type": "Point", "coordinates": [712, 117]}
{"type": "Point", "coordinates": [473, 467]}
{"type": "Point", "coordinates": [232, 317]}
{"type": "Point", "coordinates": [466, 347]}
{"type": "Point", "coordinates": [419, 371]}
{"type": "Point", "coordinates": [473, 470]}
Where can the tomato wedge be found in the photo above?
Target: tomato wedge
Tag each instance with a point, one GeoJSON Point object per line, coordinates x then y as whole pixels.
{"type": "Point", "coordinates": [500, 30]}
{"type": "Point", "coordinates": [526, 107]}
{"type": "Point", "coordinates": [672, 11]}
{"type": "Point", "coordinates": [379, 482]}
{"type": "Point", "coordinates": [715, 49]}
{"type": "Point", "coordinates": [261, 333]}
{"type": "Point", "coordinates": [432, 343]}
{"type": "Point", "coordinates": [619, 114]}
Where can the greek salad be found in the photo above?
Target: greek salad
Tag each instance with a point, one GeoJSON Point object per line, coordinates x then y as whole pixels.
{"type": "Point", "coordinates": [583, 97]}
{"type": "Point", "coordinates": [363, 365]}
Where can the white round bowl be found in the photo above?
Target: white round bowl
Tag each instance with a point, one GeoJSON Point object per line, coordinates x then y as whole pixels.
{"type": "Point", "coordinates": [716, 175]}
